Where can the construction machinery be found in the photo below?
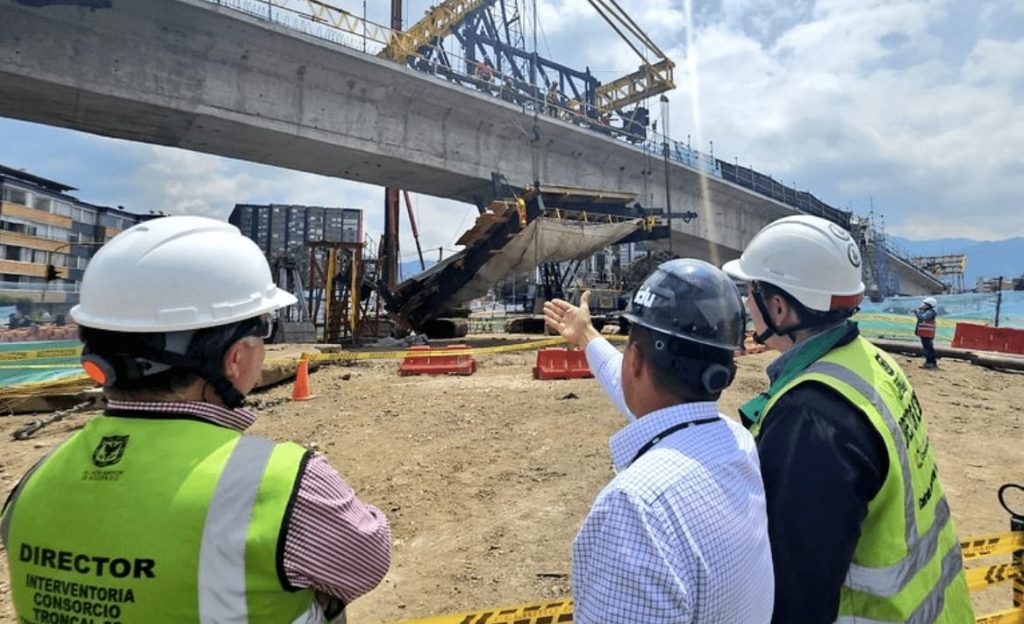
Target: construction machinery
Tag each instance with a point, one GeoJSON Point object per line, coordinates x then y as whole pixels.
{"type": "Point", "coordinates": [517, 234]}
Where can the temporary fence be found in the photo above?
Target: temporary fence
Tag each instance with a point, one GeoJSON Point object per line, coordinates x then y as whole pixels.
{"type": "Point", "coordinates": [893, 317]}
{"type": "Point", "coordinates": [24, 363]}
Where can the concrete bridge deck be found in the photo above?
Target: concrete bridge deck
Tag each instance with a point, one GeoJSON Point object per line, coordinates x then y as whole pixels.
{"type": "Point", "coordinates": [194, 75]}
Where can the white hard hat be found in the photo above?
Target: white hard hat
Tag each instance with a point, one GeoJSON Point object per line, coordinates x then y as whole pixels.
{"type": "Point", "coordinates": [930, 301]}
{"type": "Point", "coordinates": [176, 274]}
{"type": "Point", "coordinates": [812, 259]}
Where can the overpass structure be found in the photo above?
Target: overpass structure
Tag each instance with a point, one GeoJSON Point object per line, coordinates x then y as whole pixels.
{"type": "Point", "coordinates": [207, 77]}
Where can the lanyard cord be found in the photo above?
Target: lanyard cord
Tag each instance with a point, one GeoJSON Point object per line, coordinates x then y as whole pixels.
{"type": "Point", "coordinates": [664, 434]}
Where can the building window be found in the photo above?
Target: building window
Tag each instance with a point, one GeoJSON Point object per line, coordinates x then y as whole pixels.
{"type": "Point", "coordinates": [62, 208]}
{"type": "Point", "coordinates": [12, 224]}
{"type": "Point", "coordinates": [16, 196]}
{"type": "Point", "coordinates": [83, 215]}
{"type": "Point", "coordinates": [42, 203]}
{"type": "Point", "coordinates": [59, 233]}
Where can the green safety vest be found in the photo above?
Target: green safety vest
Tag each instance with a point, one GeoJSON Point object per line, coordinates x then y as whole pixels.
{"type": "Point", "coordinates": [143, 519]}
{"type": "Point", "coordinates": [907, 565]}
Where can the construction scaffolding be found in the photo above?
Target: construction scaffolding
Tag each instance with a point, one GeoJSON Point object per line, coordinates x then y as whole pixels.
{"type": "Point", "coordinates": [343, 303]}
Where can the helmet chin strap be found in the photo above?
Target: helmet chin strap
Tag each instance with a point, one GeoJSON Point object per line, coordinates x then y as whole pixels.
{"type": "Point", "coordinates": [771, 329]}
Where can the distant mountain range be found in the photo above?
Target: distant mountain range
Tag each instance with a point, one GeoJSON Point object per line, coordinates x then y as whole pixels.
{"type": "Point", "coordinates": [984, 258]}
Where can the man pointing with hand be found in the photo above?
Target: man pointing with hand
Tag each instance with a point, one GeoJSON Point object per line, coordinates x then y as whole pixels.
{"type": "Point", "coordinates": [680, 532]}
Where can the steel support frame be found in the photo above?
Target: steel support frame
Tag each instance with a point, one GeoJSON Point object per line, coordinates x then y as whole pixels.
{"type": "Point", "coordinates": [479, 35]}
{"type": "Point", "coordinates": [334, 292]}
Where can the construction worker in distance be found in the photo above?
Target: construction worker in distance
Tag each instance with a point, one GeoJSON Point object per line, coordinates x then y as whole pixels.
{"type": "Point", "coordinates": [680, 533]}
{"type": "Point", "coordinates": [925, 330]}
{"type": "Point", "coordinates": [859, 526]}
{"type": "Point", "coordinates": [484, 74]}
{"type": "Point", "coordinates": [161, 510]}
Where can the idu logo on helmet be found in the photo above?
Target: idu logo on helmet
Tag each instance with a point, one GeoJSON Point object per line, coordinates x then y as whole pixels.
{"type": "Point", "coordinates": [645, 297]}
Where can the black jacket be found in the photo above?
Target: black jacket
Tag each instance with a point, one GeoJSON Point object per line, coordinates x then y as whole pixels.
{"type": "Point", "coordinates": [822, 462]}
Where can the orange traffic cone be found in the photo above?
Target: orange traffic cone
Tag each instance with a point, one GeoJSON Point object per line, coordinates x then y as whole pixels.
{"type": "Point", "coordinates": [301, 390]}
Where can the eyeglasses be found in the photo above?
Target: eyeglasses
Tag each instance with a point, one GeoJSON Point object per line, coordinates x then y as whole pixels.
{"type": "Point", "coordinates": [260, 327]}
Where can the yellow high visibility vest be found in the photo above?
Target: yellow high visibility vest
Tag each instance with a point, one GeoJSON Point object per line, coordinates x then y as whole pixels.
{"type": "Point", "coordinates": [906, 566]}
{"type": "Point", "coordinates": [157, 520]}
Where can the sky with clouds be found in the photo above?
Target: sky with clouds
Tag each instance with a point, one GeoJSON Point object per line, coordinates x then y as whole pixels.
{"type": "Point", "coordinates": [914, 107]}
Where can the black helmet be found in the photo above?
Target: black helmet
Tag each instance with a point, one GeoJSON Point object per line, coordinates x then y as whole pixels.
{"type": "Point", "coordinates": [692, 300]}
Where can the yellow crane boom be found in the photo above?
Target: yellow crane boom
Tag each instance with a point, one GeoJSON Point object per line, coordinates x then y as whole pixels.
{"type": "Point", "coordinates": [438, 23]}
{"type": "Point", "coordinates": [649, 80]}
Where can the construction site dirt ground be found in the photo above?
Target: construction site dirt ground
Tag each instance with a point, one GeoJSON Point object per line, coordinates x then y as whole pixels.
{"type": "Point", "coordinates": [485, 479]}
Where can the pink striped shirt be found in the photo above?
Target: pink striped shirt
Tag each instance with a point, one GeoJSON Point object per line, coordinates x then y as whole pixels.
{"type": "Point", "coordinates": [335, 543]}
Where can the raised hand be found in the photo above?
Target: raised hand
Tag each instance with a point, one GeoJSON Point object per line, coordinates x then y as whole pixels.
{"type": "Point", "coordinates": [571, 322]}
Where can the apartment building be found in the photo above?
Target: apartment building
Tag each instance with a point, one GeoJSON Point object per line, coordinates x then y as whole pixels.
{"type": "Point", "coordinates": [41, 223]}
{"type": "Point", "coordinates": [283, 231]}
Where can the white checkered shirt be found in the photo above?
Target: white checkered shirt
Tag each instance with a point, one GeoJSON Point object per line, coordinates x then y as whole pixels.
{"type": "Point", "coordinates": [681, 534]}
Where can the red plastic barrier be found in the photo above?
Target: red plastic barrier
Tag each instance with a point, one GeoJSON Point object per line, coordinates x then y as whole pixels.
{"type": "Point", "coordinates": [560, 363]}
{"type": "Point", "coordinates": [972, 336]}
{"type": "Point", "coordinates": [1015, 341]}
{"type": "Point", "coordinates": [985, 338]}
{"type": "Point", "coordinates": [1007, 340]}
{"type": "Point", "coordinates": [445, 362]}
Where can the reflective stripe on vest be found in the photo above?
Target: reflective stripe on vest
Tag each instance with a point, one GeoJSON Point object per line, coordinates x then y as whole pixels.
{"type": "Point", "coordinates": [925, 329]}
{"type": "Point", "coordinates": [222, 554]}
{"type": "Point", "coordinates": [222, 586]}
{"type": "Point", "coordinates": [854, 380]}
{"type": "Point", "coordinates": [887, 582]}
{"type": "Point", "coordinates": [890, 580]}
{"type": "Point", "coordinates": [933, 604]}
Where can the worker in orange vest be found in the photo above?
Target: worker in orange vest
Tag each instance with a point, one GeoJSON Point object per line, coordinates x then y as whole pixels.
{"type": "Point", "coordinates": [925, 330]}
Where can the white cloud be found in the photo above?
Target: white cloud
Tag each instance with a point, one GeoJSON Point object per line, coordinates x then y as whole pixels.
{"type": "Point", "coordinates": [854, 103]}
{"type": "Point", "coordinates": [995, 62]}
{"type": "Point", "coordinates": [993, 12]}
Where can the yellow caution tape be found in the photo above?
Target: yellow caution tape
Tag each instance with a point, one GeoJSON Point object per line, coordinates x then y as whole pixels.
{"type": "Point", "coordinates": [1008, 616]}
{"type": "Point", "coordinates": [538, 613]}
{"type": "Point", "coordinates": [992, 544]}
{"type": "Point", "coordinates": [6, 356]}
{"type": "Point", "coordinates": [980, 578]}
{"type": "Point", "coordinates": [346, 356]}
